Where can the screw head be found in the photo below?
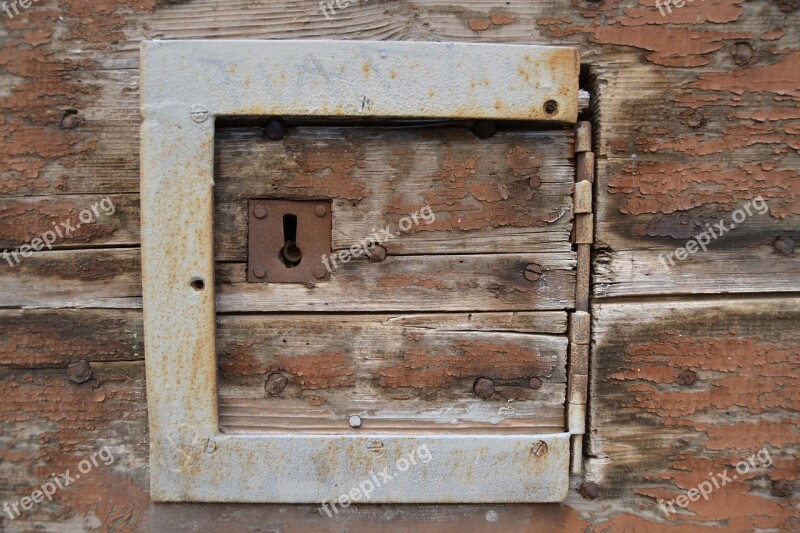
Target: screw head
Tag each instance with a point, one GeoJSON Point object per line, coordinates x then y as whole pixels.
{"type": "Point", "coordinates": [275, 130]}
{"type": "Point", "coordinates": [211, 446]}
{"type": "Point", "coordinates": [275, 383]}
{"type": "Point", "coordinates": [375, 446]}
{"type": "Point", "coordinates": [483, 129]}
{"type": "Point", "coordinates": [533, 272]}
{"type": "Point", "coordinates": [589, 490]}
{"type": "Point", "coordinates": [483, 388]}
{"type": "Point", "coordinates": [535, 383]}
{"type": "Point", "coordinates": [199, 113]}
{"type": "Point", "coordinates": [742, 53]}
{"type": "Point", "coordinates": [784, 244]}
{"type": "Point", "coordinates": [695, 119]}
{"type": "Point", "coordinates": [686, 378]}
{"type": "Point", "coordinates": [70, 121]}
{"type": "Point", "coordinates": [378, 253]}
{"type": "Point", "coordinates": [781, 488]}
{"type": "Point", "coordinates": [319, 272]}
{"type": "Point", "coordinates": [259, 211]}
{"type": "Point", "coordinates": [320, 210]}
{"type": "Point", "coordinates": [79, 372]}
{"type": "Point", "coordinates": [355, 421]}
{"type": "Point", "coordinates": [539, 448]}
{"type": "Point", "coordinates": [259, 271]}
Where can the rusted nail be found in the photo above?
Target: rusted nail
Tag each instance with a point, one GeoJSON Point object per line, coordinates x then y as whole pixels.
{"type": "Point", "coordinates": [533, 272]}
{"type": "Point", "coordinates": [259, 271]}
{"type": "Point", "coordinates": [79, 372]}
{"type": "Point", "coordinates": [319, 271]}
{"type": "Point", "coordinates": [275, 130]}
{"type": "Point", "coordinates": [695, 119]}
{"type": "Point", "coordinates": [259, 211]}
{"type": "Point", "coordinates": [320, 210]}
{"type": "Point", "coordinates": [211, 446]}
{"type": "Point", "coordinates": [784, 244]}
{"type": "Point", "coordinates": [589, 490]}
{"type": "Point", "coordinates": [535, 182]}
{"type": "Point", "coordinates": [70, 120]}
{"type": "Point", "coordinates": [310, 284]}
{"type": "Point", "coordinates": [781, 488]}
{"type": "Point", "coordinates": [483, 388]}
{"type": "Point", "coordinates": [355, 421]}
{"type": "Point", "coordinates": [375, 446]}
{"type": "Point", "coordinates": [742, 53]}
{"type": "Point", "coordinates": [378, 253]}
{"type": "Point", "coordinates": [539, 448]}
{"type": "Point", "coordinates": [686, 378]}
{"type": "Point", "coordinates": [199, 113]}
{"type": "Point", "coordinates": [483, 129]}
{"type": "Point", "coordinates": [535, 383]}
{"type": "Point", "coordinates": [275, 383]}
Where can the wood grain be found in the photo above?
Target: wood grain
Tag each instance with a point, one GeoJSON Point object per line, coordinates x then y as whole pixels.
{"type": "Point", "coordinates": [694, 113]}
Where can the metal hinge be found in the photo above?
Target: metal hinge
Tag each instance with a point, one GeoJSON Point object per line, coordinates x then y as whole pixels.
{"type": "Point", "coordinates": [580, 319]}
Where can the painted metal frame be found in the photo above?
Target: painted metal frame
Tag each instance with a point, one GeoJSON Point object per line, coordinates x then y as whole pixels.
{"type": "Point", "coordinates": [185, 86]}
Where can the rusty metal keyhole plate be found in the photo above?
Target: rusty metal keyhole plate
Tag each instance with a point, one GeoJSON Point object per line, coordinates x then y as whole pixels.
{"type": "Point", "coordinates": [287, 240]}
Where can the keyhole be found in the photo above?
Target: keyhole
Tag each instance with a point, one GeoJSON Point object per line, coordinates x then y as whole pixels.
{"type": "Point", "coordinates": [290, 253]}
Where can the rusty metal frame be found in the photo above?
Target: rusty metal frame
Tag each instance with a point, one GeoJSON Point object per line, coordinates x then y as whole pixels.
{"type": "Point", "coordinates": [185, 86]}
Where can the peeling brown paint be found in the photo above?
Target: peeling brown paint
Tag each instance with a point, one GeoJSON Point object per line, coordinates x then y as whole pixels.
{"type": "Point", "coordinates": [324, 370]}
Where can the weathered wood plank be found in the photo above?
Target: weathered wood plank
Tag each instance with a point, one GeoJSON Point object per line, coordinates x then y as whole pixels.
{"type": "Point", "coordinates": [50, 425]}
{"type": "Point", "coordinates": [107, 220]}
{"type": "Point", "coordinates": [393, 374]}
{"type": "Point", "coordinates": [509, 193]}
{"type": "Point", "coordinates": [681, 389]}
{"type": "Point", "coordinates": [108, 278]}
{"type": "Point", "coordinates": [411, 283]}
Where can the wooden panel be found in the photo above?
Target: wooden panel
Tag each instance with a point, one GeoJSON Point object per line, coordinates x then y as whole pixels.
{"type": "Point", "coordinates": [393, 373]}
{"type": "Point", "coordinates": [682, 392]}
{"type": "Point", "coordinates": [698, 105]}
{"type": "Point", "coordinates": [505, 194]}
{"type": "Point", "coordinates": [445, 283]}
